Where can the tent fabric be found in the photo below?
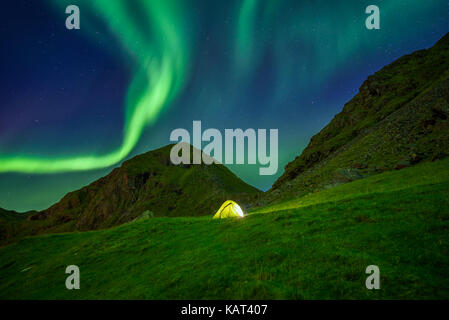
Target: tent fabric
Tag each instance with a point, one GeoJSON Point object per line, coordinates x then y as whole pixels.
{"type": "Point", "coordinates": [229, 209]}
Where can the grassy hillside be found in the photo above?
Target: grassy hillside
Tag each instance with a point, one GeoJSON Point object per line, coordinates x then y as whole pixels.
{"type": "Point", "coordinates": [399, 117]}
{"type": "Point", "coordinates": [313, 247]}
{"type": "Point", "coordinates": [148, 183]}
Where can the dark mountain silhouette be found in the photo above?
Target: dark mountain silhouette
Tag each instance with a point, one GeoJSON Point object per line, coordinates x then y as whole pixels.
{"type": "Point", "coordinates": [398, 118]}
{"type": "Point", "coordinates": [148, 185]}
{"type": "Point", "coordinates": [150, 182]}
{"type": "Point", "coordinates": [11, 223]}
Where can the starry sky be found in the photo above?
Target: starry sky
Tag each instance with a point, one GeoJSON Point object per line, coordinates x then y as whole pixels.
{"type": "Point", "coordinates": [76, 103]}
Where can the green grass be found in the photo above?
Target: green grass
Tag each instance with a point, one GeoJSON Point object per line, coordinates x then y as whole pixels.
{"type": "Point", "coordinates": [315, 247]}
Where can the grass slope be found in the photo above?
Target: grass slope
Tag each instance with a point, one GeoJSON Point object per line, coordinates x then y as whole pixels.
{"type": "Point", "coordinates": [313, 247]}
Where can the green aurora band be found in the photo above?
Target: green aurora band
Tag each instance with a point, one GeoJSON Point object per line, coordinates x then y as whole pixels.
{"type": "Point", "coordinates": [160, 54]}
{"type": "Point", "coordinates": [309, 46]}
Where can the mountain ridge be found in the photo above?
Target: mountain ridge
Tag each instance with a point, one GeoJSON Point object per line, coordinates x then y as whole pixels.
{"type": "Point", "coordinates": [147, 185]}
{"type": "Point", "coordinates": [150, 171]}
{"type": "Point", "coordinates": [398, 118]}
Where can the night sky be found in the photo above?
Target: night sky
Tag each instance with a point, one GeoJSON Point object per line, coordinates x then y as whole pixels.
{"type": "Point", "coordinates": [76, 103]}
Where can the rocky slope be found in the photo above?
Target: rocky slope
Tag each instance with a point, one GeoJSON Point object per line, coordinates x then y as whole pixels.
{"type": "Point", "coordinates": [148, 184]}
{"type": "Point", "coordinates": [398, 118]}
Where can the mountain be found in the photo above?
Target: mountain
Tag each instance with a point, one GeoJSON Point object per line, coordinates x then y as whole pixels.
{"type": "Point", "coordinates": [5, 212]}
{"type": "Point", "coordinates": [11, 222]}
{"type": "Point", "coordinates": [10, 215]}
{"type": "Point", "coordinates": [148, 185]}
{"type": "Point", "coordinates": [398, 118]}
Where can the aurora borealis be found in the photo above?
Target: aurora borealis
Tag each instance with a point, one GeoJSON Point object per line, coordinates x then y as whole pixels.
{"type": "Point", "coordinates": [160, 56]}
{"type": "Point", "coordinates": [76, 103]}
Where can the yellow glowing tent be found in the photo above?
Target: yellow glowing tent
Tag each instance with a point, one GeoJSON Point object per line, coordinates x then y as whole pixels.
{"type": "Point", "coordinates": [229, 209]}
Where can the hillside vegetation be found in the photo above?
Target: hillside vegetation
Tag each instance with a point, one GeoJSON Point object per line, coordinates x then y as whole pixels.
{"type": "Point", "coordinates": [147, 184]}
{"type": "Point", "coordinates": [312, 247]}
{"type": "Point", "coordinates": [400, 117]}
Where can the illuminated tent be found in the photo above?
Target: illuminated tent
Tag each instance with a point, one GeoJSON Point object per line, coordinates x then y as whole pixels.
{"type": "Point", "coordinates": [229, 209]}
